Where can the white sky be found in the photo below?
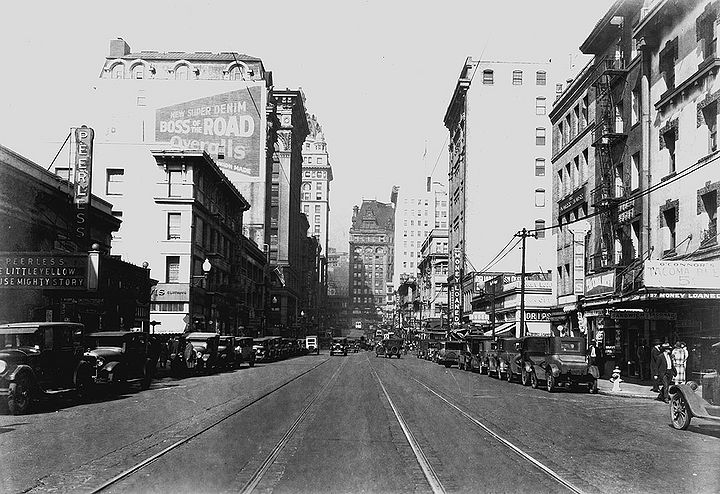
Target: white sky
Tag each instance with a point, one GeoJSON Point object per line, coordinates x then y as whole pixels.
{"type": "Point", "coordinates": [378, 74]}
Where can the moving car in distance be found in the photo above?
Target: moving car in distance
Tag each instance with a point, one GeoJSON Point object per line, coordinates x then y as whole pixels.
{"type": "Point", "coordinates": [311, 343]}
{"type": "Point", "coordinates": [338, 346]}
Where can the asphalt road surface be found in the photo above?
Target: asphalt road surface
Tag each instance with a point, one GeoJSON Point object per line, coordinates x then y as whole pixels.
{"type": "Point", "coordinates": [355, 424]}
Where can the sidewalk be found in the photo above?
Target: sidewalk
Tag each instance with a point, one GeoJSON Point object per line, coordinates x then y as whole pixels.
{"type": "Point", "coordinates": [632, 388]}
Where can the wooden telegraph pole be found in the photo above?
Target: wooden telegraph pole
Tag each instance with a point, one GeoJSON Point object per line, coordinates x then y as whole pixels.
{"type": "Point", "coordinates": [523, 234]}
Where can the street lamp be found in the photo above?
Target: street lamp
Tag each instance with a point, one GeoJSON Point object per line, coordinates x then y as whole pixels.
{"type": "Point", "coordinates": [206, 267]}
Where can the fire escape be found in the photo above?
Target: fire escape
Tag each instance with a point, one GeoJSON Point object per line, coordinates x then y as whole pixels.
{"type": "Point", "coordinates": [609, 140]}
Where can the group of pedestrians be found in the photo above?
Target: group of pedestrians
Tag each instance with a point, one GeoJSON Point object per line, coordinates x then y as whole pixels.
{"type": "Point", "coordinates": [667, 366]}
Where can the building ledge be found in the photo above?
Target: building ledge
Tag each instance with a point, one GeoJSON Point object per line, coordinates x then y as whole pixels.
{"type": "Point", "coordinates": [707, 67]}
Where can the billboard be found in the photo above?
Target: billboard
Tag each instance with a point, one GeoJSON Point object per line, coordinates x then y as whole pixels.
{"type": "Point", "coordinates": [682, 274]}
{"type": "Point", "coordinates": [228, 126]}
{"type": "Point", "coordinates": [45, 270]}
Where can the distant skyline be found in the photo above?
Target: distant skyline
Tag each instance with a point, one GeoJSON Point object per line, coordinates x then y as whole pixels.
{"type": "Point", "coordinates": [377, 74]}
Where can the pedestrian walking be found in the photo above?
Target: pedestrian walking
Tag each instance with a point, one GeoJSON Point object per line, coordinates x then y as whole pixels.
{"type": "Point", "coordinates": [642, 356]}
{"type": "Point", "coordinates": [666, 371]}
{"type": "Point", "coordinates": [592, 353]}
{"type": "Point", "coordinates": [655, 364]}
{"type": "Point", "coordinates": [679, 358]}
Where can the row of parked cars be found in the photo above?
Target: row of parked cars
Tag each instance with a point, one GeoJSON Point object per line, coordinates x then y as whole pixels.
{"type": "Point", "coordinates": [550, 361]}
{"type": "Point", "coordinates": [42, 359]}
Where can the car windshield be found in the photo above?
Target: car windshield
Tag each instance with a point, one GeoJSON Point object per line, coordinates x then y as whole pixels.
{"type": "Point", "coordinates": [19, 340]}
{"type": "Point", "coordinates": [453, 345]}
{"type": "Point", "coordinates": [571, 347]}
{"type": "Point", "coordinates": [98, 341]}
{"type": "Point", "coordinates": [199, 344]}
{"type": "Point", "coordinates": [534, 345]}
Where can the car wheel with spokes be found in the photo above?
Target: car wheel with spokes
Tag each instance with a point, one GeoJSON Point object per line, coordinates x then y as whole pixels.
{"type": "Point", "coordinates": [19, 398]}
{"type": "Point", "coordinates": [533, 380]}
{"type": "Point", "coordinates": [550, 382]}
{"type": "Point", "coordinates": [679, 412]}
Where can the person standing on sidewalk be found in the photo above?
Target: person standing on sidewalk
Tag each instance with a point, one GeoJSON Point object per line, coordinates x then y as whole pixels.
{"type": "Point", "coordinates": [667, 373]}
{"type": "Point", "coordinates": [655, 365]}
{"type": "Point", "coordinates": [679, 357]}
{"type": "Point", "coordinates": [642, 354]}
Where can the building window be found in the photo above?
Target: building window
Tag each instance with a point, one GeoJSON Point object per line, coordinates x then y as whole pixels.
{"type": "Point", "coordinates": [540, 228]}
{"type": "Point", "coordinates": [199, 231]}
{"type": "Point", "coordinates": [558, 88]}
{"type": "Point", "coordinates": [540, 136]}
{"type": "Point", "coordinates": [488, 77]}
{"type": "Point", "coordinates": [539, 167]}
{"type": "Point", "coordinates": [182, 73]}
{"type": "Point", "coordinates": [710, 204]}
{"type": "Point", "coordinates": [138, 71]}
{"type": "Point", "coordinates": [317, 228]}
{"type": "Point", "coordinates": [172, 269]}
{"type": "Point", "coordinates": [174, 182]}
{"type": "Point", "coordinates": [117, 71]}
{"type": "Point", "coordinates": [705, 30]}
{"type": "Point", "coordinates": [635, 171]}
{"type": "Point", "coordinates": [318, 185]}
{"type": "Point", "coordinates": [540, 108]}
{"type": "Point", "coordinates": [517, 77]}
{"type": "Point", "coordinates": [236, 74]}
{"type": "Point", "coordinates": [115, 177]}
{"type": "Point", "coordinates": [635, 238]}
{"type": "Point", "coordinates": [173, 226]}
{"type": "Point", "coordinates": [306, 210]}
{"type": "Point", "coordinates": [709, 114]}
{"type": "Point", "coordinates": [670, 137]}
{"type": "Point", "coordinates": [318, 196]}
{"type": "Point", "coordinates": [318, 208]}
{"type": "Point", "coordinates": [540, 78]}
{"type": "Point", "coordinates": [670, 217]}
{"type": "Point", "coordinates": [540, 198]}
{"type": "Point", "coordinates": [666, 62]}
{"type": "Point", "coordinates": [635, 102]}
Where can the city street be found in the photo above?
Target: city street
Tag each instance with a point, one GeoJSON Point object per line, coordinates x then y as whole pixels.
{"type": "Point", "coordinates": [354, 424]}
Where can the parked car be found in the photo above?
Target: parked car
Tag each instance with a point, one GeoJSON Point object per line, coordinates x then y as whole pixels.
{"type": "Point", "coordinates": [206, 349]}
{"type": "Point", "coordinates": [182, 355]}
{"type": "Point", "coordinates": [487, 352]}
{"type": "Point", "coordinates": [393, 347]}
{"type": "Point", "coordinates": [311, 343]}
{"type": "Point", "coordinates": [338, 346]}
{"type": "Point", "coordinates": [41, 359]}
{"type": "Point", "coordinates": [507, 362]}
{"type": "Point", "coordinates": [244, 350]}
{"type": "Point", "coordinates": [558, 362]}
{"type": "Point", "coordinates": [120, 358]}
{"type": "Point", "coordinates": [469, 358]}
{"type": "Point", "coordinates": [263, 348]}
{"type": "Point", "coordinates": [379, 349]}
{"type": "Point", "coordinates": [226, 352]}
{"type": "Point", "coordinates": [448, 353]}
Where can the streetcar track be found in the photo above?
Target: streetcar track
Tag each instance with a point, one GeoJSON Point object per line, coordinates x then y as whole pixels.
{"type": "Point", "coordinates": [524, 455]}
{"type": "Point", "coordinates": [138, 466]}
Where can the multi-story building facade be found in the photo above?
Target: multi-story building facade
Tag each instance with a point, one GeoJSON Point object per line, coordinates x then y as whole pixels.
{"type": "Point", "coordinates": [222, 104]}
{"type": "Point", "coordinates": [371, 259]}
{"type": "Point", "coordinates": [651, 266]}
{"type": "Point", "coordinates": [432, 280]}
{"type": "Point", "coordinates": [498, 180]}
{"type": "Point", "coordinates": [337, 293]}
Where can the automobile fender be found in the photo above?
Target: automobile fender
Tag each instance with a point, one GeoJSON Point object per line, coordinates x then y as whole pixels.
{"type": "Point", "coordinates": [554, 369]}
{"type": "Point", "coordinates": [23, 371]}
{"type": "Point", "coordinates": [594, 372]}
{"type": "Point", "coordinates": [695, 402]}
{"type": "Point", "coordinates": [110, 367]}
{"type": "Point", "coordinates": [528, 366]}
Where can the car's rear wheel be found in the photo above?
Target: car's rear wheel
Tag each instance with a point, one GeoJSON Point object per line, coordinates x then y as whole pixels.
{"type": "Point", "coordinates": [533, 380]}
{"type": "Point", "coordinates": [550, 382]}
{"type": "Point", "coordinates": [19, 398]}
{"type": "Point", "coordinates": [680, 412]}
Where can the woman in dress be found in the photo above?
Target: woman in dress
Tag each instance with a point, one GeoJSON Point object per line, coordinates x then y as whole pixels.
{"type": "Point", "coordinates": [679, 358]}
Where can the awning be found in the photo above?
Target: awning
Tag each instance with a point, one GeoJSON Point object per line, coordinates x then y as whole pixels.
{"type": "Point", "coordinates": [504, 329]}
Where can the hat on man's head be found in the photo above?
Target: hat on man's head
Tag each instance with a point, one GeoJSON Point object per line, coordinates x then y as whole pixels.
{"type": "Point", "coordinates": [666, 346]}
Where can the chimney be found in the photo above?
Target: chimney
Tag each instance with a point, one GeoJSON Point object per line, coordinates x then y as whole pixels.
{"type": "Point", "coordinates": [356, 210]}
{"type": "Point", "coordinates": [118, 48]}
{"type": "Point", "coordinates": [394, 195]}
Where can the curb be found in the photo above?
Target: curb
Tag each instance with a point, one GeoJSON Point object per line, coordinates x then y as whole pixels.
{"type": "Point", "coordinates": [626, 394]}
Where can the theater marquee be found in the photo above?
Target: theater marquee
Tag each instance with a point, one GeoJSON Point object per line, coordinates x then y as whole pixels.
{"type": "Point", "coordinates": [43, 270]}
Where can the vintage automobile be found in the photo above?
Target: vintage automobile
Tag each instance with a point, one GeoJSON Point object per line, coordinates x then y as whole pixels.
{"type": "Point", "coordinates": [182, 355]}
{"type": "Point", "coordinates": [264, 349]}
{"type": "Point", "coordinates": [338, 346]}
{"type": "Point", "coordinates": [686, 403]}
{"type": "Point", "coordinates": [393, 347]}
{"type": "Point", "coordinates": [558, 362]}
{"type": "Point", "coordinates": [507, 361]}
{"type": "Point", "coordinates": [39, 360]}
{"type": "Point", "coordinates": [448, 353]}
{"type": "Point", "coordinates": [379, 349]}
{"type": "Point", "coordinates": [311, 343]}
{"type": "Point", "coordinates": [470, 359]}
{"type": "Point", "coordinates": [226, 353]}
{"type": "Point", "coordinates": [206, 349]}
{"type": "Point", "coordinates": [120, 358]}
{"type": "Point", "coordinates": [487, 352]}
{"type": "Point", "coordinates": [244, 351]}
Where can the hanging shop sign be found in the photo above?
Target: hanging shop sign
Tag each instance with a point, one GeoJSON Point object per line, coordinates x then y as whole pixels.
{"type": "Point", "coordinates": [45, 270]}
{"type": "Point", "coordinates": [682, 274]}
{"type": "Point", "coordinates": [600, 283]}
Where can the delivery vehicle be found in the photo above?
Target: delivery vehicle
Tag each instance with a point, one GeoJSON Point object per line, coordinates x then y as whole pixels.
{"type": "Point", "coordinates": [39, 360]}
{"type": "Point", "coordinates": [311, 343]}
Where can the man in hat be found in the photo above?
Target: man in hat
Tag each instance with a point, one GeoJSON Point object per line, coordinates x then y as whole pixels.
{"type": "Point", "coordinates": [667, 372]}
{"type": "Point", "coordinates": [655, 363]}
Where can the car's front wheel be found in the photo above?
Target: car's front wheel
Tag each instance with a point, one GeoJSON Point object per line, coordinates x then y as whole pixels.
{"type": "Point", "coordinates": [679, 412]}
{"type": "Point", "coordinates": [19, 398]}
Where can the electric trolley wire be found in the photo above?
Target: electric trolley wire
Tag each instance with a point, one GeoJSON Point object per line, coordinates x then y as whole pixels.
{"type": "Point", "coordinates": [633, 197]}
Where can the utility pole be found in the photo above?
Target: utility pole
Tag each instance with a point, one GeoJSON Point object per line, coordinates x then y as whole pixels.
{"type": "Point", "coordinates": [523, 234]}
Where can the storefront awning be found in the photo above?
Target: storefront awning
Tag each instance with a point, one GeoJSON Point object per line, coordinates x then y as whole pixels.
{"type": "Point", "coordinates": [504, 329]}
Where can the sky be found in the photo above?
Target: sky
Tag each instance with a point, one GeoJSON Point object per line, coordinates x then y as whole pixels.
{"type": "Point", "coordinates": [378, 74]}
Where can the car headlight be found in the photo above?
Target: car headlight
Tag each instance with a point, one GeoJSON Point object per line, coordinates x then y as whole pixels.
{"type": "Point", "coordinates": [99, 362]}
{"type": "Point", "coordinates": [3, 366]}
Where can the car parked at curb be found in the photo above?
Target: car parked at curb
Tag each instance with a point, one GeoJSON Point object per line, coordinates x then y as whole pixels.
{"type": "Point", "coordinates": [39, 360]}
{"type": "Point", "coordinates": [245, 351]}
{"type": "Point", "coordinates": [182, 355]}
{"type": "Point", "coordinates": [205, 345]}
{"type": "Point", "coordinates": [558, 362]}
{"type": "Point", "coordinates": [506, 363]}
{"type": "Point", "coordinates": [470, 355]}
{"type": "Point", "coordinates": [448, 353]}
{"type": "Point", "coordinates": [226, 352]}
{"type": "Point", "coordinates": [120, 358]}
{"type": "Point", "coordinates": [379, 349]}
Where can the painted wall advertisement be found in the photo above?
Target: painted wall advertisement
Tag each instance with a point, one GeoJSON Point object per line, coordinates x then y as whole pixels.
{"type": "Point", "coordinates": [227, 126]}
{"type": "Point", "coordinates": [682, 274]}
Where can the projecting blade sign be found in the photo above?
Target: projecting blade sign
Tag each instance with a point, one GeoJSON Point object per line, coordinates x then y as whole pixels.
{"type": "Point", "coordinates": [227, 126]}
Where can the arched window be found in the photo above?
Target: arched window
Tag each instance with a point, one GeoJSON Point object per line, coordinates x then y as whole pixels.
{"type": "Point", "coordinates": [540, 78]}
{"type": "Point", "coordinates": [539, 167]}
{"type": "Point", "coordinates": [540, 198]}
{"type": "Point", "coordinates": [182, 73]}
{"type": "Point", "coordinates": [307, 186]}
{"type": "Point", "coordinates": [540, 108]}
{"type": "Point", "coordinates": [539, 228]}
{"type": "Point", "coordinates": [488, 77]}
{"type": "Point", "coordinates": [117, 71]}
{"type": "Point", "coordinates": [237, 74]}
{"type": "Point", "coordinates": [138, 71]}
{"type": "Point", "coordinates": [517, 77]}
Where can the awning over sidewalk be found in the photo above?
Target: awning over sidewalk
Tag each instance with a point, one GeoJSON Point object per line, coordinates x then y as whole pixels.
{"type": "Point", "coordinates": [504, 329]}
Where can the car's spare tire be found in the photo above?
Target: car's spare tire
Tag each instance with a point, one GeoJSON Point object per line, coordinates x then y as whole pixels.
{"type": "Point", "coordinates": [394, 350]}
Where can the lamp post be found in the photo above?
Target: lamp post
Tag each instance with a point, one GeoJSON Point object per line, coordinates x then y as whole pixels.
{"type": "Point", "coordinates": [206, 267]}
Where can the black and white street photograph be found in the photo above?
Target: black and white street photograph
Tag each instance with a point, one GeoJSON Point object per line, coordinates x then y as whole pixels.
{"type": "Point", "coordinates": [360, 247]}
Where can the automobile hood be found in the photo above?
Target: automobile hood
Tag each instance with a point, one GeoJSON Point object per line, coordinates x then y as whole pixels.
{"type": "Point", "coordinates": [106, 352]}
{"type": "Point", "coordinates": [17, 356]}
